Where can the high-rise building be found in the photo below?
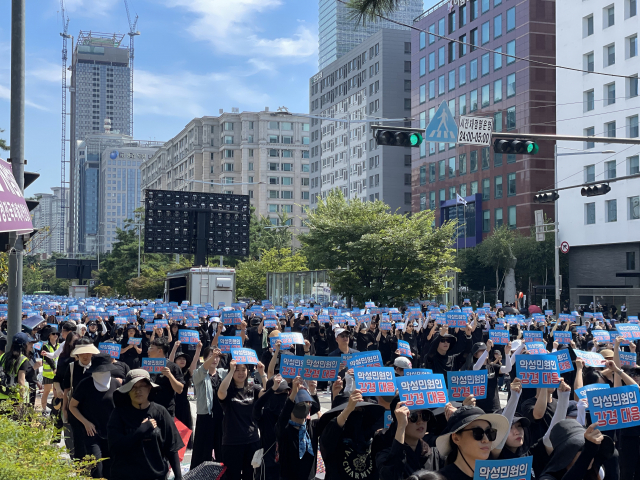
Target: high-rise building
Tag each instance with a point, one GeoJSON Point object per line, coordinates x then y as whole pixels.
{"type": "Point", "coordinates": [261, 154]}
{"type": "Point", "coordinates": [371, 81]}
{"type": "Point", "coordinates": [603, 232]}
{"type": "Point", "coordinates": [484, 82]}
{"type": "Point", "coordinates": [47, 219]}
{"type": "Point", "coordinates": [338, 33]}
{"type": "Point", "coordinates": [100, 90]}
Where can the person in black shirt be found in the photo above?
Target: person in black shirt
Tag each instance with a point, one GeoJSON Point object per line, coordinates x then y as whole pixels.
{"type": "Point", "coordinates": [445, 348]}
{"type": "Point", "coordinates": [91, 405]}
{"type": "Point", "coordinates": [130, 353]}
{"type": "Point", "coordinates": [170, 381]}
{"type": "Point", "coordinates": [142, 435]}
{"type": "Point", "coordinates": [187, 366]}
{"type": "Point", "coordinates": [539, 411]}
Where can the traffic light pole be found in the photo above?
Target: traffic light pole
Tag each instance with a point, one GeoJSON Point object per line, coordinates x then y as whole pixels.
{"type": "Point", "coordinates": [14, 281]}
{"type": "Point", "coordinates": [556, 233]}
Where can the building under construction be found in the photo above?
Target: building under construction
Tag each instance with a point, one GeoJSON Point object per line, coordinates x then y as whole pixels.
{"type": "Point", "coordinates": [100, 90]}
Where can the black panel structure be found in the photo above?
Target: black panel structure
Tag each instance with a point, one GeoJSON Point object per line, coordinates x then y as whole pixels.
{"type": "Point", "coordinates": [75, 269]}
{"type": "Point", "coordinates": [204, 224]}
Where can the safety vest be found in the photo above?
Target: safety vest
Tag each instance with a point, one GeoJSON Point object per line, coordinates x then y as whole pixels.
{"type": "Point", "coordinates": [47, 370]}
{"type": "Point", "coordinates": [11, 390]}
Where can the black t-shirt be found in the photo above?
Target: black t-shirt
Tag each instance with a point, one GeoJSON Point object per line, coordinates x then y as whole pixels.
{"type": "Point", "coordinates": [238, 426]}
{"type": "Point", "coordinates": [166, 395]}
{"type": "Point", "coordinates": [121, 370]}
{"type": "Point", "coordinates": [452, 472]}
{"type": "Point", "coordinates": [78, 373]}
{"type": "Point", "coordinates": [538, 427]}
{"type": "Point", "coordinates": [254, 339]}
{"type": "Point", "coordinates": [95, 406]}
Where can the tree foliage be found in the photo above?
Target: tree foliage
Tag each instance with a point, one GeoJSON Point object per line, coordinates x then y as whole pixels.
{"type": "Point", "coordinates": [363, 11]}
{"type": "Point", "coordinates": [263, 235]}
{"type": "Point", "coordinates": [3, 142]}
{"type": "Point", "coordinates": [251, 275]}
{"type": "Point", "coordinates": [496, 252]}
{"type": "Point", "coordinates": [376, 255]}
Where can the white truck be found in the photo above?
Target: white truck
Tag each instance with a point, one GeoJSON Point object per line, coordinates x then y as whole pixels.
{"type": "Point", "coordinates": [201, 285]}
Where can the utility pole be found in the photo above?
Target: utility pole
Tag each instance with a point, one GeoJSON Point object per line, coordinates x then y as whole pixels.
{"type": "Point", "coordinates": [556, 248]}
{"type": "Point", "coordinates": [14, 315]}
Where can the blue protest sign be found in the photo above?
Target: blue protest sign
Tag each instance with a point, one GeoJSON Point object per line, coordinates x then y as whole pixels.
{"type": "Point", "coordinates": [564, 361]}
{"type": "Point", "coordinates": [440, 319]}
{"type": "Point", "coordinates": [148, 327]}
{"type": "Point", "coordinates": [395, 317]}
{"type": "Point", "coordinates": [499, 337]}
{"type": "Point", "coordinates": [321, 368]}
{"type": "Point", "coordinates": [351, 322]}
{"type": "Point", "coordinates": [422, 391]}
{"type": "Point", "coordinates": [192, 322]}
{"type": "Point", "coordinates": [581, 330]}
{"type": "Point", "coordinates": [113, 349]}
{"type": "Point", "coordinates": [365, 359]}
{"type": "Point", "coordinates": [154, 365]}
{"type": "Point", "coordinates": [442, 127]}
{"type": "Point", "coordinates": [134, 341]}
{"type": "Point", "coordinates": [548, 313]}
{"type": "Point", "coordinates": [615, 408]}
{"type": "Point", "coordinates": [388, 419]}
{"type": "Point", "coordinates": [458, 320]}
{"type": "Point", "coordinates": [385, 326]}
{"type": "Point", "coordinates": [225, 344]}
{"type": "Point", "coordinates": [630, 332]}
{"type": "Point", "coordinates": [37, 346]}
{"type": "Point", "coordinates": [536, 348]}
{"type": "Point", "coordinates": [563, 338]}
{"type": "Point", "coordinates": [514, 469]}
{"type": "Point", "coordinates": [400, 326]}
{"type": "Point", "coordinates": [511, 319]}
{"type": "Point", "coordinates": [628, 359]}
{"type": "Point", "coordinates": [416, 371]}
{"type": "Point", "coordinates": [75, 316]}
{"type": "Point", "coordinates": [404, 348]}
{"type": "Point", "coordinates": [602, 336]}
{"type": "Point", "coordinates": [244, 356]}
{"type": "Point", "coordinates": [633, 318]}
{"type": "Point", "coordinates": [372, 381]}
{"type": "Point", "coordinates": [463, 384]}
{"type": "Point", "coordinates": [231, 317]}
{"type": "Point", "coordinates": [287, 340]}
{"type": "Point", "coordinates": [591, 359]}
{"type": "Point", "coordinates": [291, 366]}
{"type": "Point", "coordinates": [532, 336]}
{"type": "Point", "coordinates": [189, 336]}
{"type": "Point", "coordinates": [270, 323]}
{"type": "Point", "coordinates": [537, 371]}
{"type": "Point", "coordinates": [582, 392]}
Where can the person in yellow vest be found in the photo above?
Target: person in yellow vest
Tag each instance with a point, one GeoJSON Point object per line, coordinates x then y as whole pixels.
{"type": "Point", "coordinates": [14, 364]}
{"type": "Point", "coordinates": [49, 337]}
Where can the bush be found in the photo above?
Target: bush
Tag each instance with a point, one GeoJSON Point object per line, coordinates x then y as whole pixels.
{"type": "Point", "coordinates": [28, 451]}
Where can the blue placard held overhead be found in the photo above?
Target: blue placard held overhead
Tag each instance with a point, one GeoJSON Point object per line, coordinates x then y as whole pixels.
{"type": "Point", "coordinates": [615, 408]}
{"type": "Point", "coordinates": [628, 359]}
{"type": "Point", "coordinates": [564, 361]}
{"type": "Point", "coordinates": [422, 391]}
{"type": "Point", "coordinates": [244, 356]}
{"type": "Point", "coordinates": [532, 336]}
{"type": "Point", "coordinates": [538, 371]}
{"type": "Point", "coordinates": [456, 320]}
{"type": "Point", "coordinates": [375, 381]}
{"type": "Point", "coordinates": [442, 127]}
{"type": "Point", "coordinates": [499, 337]}
{"type": "Point", "coordinates": [225, 344]}
{"type": "Point", "coordinates": [365, 359]}
{"type": "Point", "coordinates": [321, 368]}
{"type": "Point", "coordinates": [409, 372]}
{"type": "Point", "coordinates": [154, 365]}
{"type": "Point", "coordinates": [287, 340]}
{"type": "Point", "coordinates": [514, 469]}
{"type": "Point", "coordinates": [189, 336]}
{"type": "Point", "coordinates": [113, 349]}
{"type": "Point", "coordinates": [563, 338]}
{"type": "Point", "coordinates": [291, 366]}
{"type": "Point", "coordinates": [582, 392]}
{"type": "Point", "coordinates": [463, 384]}
{"type": "Point", "coordinates": [404, 348]}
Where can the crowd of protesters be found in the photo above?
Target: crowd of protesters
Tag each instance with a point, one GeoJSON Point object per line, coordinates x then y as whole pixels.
{"type": "Point", "coordinates": [261, 425]}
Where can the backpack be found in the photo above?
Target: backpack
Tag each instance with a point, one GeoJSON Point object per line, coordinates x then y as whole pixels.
{"type": "Point", "coordinates": [9, 388]}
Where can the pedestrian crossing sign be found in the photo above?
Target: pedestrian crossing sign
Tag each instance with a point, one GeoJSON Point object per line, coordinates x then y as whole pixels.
{"type": "Point", "coordinates": [442, 127]}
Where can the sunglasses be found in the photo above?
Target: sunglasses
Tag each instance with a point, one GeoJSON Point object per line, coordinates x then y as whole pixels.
{"type": "Point", "coordinates": [415, 416]}
{"type": "Point", "coordinates": [445, 340]}
{"type": "Point", "coordinates": [479, 432]}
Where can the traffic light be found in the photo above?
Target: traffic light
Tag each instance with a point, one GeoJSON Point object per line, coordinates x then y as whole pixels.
{"type": "Point", "coordinates": [399, 138]}
{"type": "Point", "coordinates": [521, 147]}
{"type": "Point", "coordinates": [548, 197]}
{"type": "Point", "coordinates": [595, 190]}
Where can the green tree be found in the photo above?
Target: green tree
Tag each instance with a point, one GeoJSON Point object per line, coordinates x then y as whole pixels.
{"type": "Point", "coordinates": [496, 252]}
{"type": "Point", "coordinates": [31, 278]}
{"type": "Point", "coordinates": [3, 142]}
{"type": "Point", "coordinates": [368, 10]}
{"type": "Point", "coordinates": [263, 235]}
{"type": "Point", "coordinates": [251, 275]}
{"type": "Point", "coordinates": [377, 255]}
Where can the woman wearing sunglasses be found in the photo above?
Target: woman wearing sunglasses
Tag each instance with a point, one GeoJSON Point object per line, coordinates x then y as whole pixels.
{"type": "Point", "coordinates": [470, 435]}
{"type": "Point", "coordinates": [408, 452]}
{"type": "Point", "coordinates": [445, 348]}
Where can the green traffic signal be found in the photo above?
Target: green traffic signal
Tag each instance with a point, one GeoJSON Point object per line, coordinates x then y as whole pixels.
{"type": "Point", "coordinates": [532, 148]}
{"type": "Point", "coordinates": [415, 139]}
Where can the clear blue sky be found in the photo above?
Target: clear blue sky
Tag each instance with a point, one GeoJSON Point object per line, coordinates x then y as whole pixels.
{"type": "Point", "coordinates": [193, 57]}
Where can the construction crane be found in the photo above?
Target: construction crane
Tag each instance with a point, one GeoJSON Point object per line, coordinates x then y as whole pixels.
{"type": "Point", "coordinates": [132, 33]}
{"type": "Point", "coordinates": [64, 163]}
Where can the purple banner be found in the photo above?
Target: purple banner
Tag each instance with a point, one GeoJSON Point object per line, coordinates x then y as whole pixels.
{"type": "Point", "coordinates": [14, 214]}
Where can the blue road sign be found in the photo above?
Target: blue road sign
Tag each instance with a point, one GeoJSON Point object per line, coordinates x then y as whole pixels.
{"type": "Point", "coordinates": [442, 127]}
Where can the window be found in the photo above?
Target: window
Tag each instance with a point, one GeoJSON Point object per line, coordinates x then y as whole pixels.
{"type": "Point", "coordinates": [423, 201]}
{"type": "Point", "coordinates": [610, 129]}
{"type": "Point", "coordinates": [407, 47]}
{"type": "Point", "coordinates": [511, 50]}
{"type": "Point", "coordinates": [632, 126]}
{"type": "Point", "coordinates": [497, 161]}
{"type": "Point", "coordinates": [423, 40]}
{"type": "Point", "coordinates": [484, 29]}
{"type": "Point", "coordinates": [497, 26]}
{"type": "Point", "coordinates": [441, 85]}
{"type": "Point", "coordinates": [511, 118]}
{"type": "Point", "coordinates": [452, 167]}
{"type": "Point", "coordinates": [228, 126]}
{"type": "Point", "coordinates": [590, 213]}
{"type": "Point", "coordinates": [423, 93]}
{"type": "Point", "coordinates": [441, 60]}
{"type": "Point", "coordinates": [486, 189]}
{"type": "Point", "coordinates": [634, 208]}
{"type": "Point", "coordinates": [473, 10]}
{"type": "Point", "coordinates": [632, 46]}
{"type": "Point", "coordinates": [498, 218]}
{"type": "Point", "coordinates": [608, 17]}
{"type": "Point", "coordinates": [251, 153]}
{"type": "Point", "coordinates": [463, 190]}
{"type": "Point", "coordinates": [632, 84]}
{"type": "Point", "coordinates": [473, 161]}
{"type": "Point", "coordinates": [274, 194]}
{"type": "Point", "coordinates": [407, 104]}
{"type": "Point", "coordinates": [407, 179]}
{"type": "Point", "coordinates": [611, 211]}
{"type": "Point", "coordinates": [462, 164]}
{"type": "Point", "coordinates": [274, 138]}
{"type": "Point", "coordinates": [484, 64]}
{"type": "Point", "coordinates": [274, 208]}
{"type": "Point", "coordinates": [423, 175]}
{"type": "Point", "coordinates": [273, 167]}
{"type": "Point", "coordinates": [497, 91]}
{"type": "Point", "coordinates": [452, 22]}
{"type": "Point", "coordinates": [286, 126]}
{"type": "Point", "coordinates": [589, 100]}
{"type": "Point", "coordinates": [634, 165]}
{"type": "Point", "coordinates": [249, 138]}
{"type": "Point", "coordinates": [474, 39]}
{"type": "Point", "coordinates": [462, 47]}
{"type": "Point", "coordinates": [441, 27]}
{"type": "Point", "coordinates": [587, 26]}
{"type": "Point", "coordinates": [462, 104]}
{"type": "Point", "coordinates": [485, 6]}
{"type": "Point", "coordinates": [304, 195]}
{"type": "Point", "coordinates": [228, 154]}
{"type": "Point", "coordinates": [485, 96]}
{"type": "Point", "coordinates": [462, 75]}
{"type": "Point", "coordinates": [274, 180]}
{"type": "Point", "coordinates": [452, 193]}
{"type": "Point", "coordinates": [497, 121]}
{"type": "Point", "coordinates": [250, 166]}
{"type": "Point", "coordinates": [228, 167]}
{"type": "Point", "coordinates": [432, 89]}
{"type": "Point", "coordinates": [497, 58]}
{"type": "Point", "coordinates": [473, 69]}
{"type": "Point", "coordinates": [512, 216]}
{"type": "Point", "coordinates": [589, 132]}
{"type": "Point", "coordinates": [287, 139]}
{"type": "Point", "coordinates": [474, 187]}
{"type": "Point", "coordinates": [589, 64]}
{"type": "Point", "coordinates": [473, 100]}
{"type": "Point", "coordinates": [511, 85]}
{"type": "Point", "coordinates": [305, 140]}
{"type": "Point", "coordinates": [274, 153]}
{"type": "Point", "coordinates": [511, 19]}
{"type": "Point", "coordinates": [609, 55]}
{"type": "Point", "coordinates": [286, 167]}
{"type": "Point", "coordinates": [432, 200]}
{"type": "Point", "coordinates": [228, 139]}
{"type": "Point", "coordinates": [305, 127]}
{"type": "Point", "coordinates": [432, 29]}
{"type": "Point", "coordinates": [287, 194]}
{"type": "Point", "coordinates": [423, 66]}
{"type": "Point", "coordinates": [511, 158]}
{"type": "Point", "coordinates": [610, 169]}
{"type": "Point", "coordinates": [589, 173]}
{"type": "Point", "coordinates": [441, 170]}
{"type": "Point", "coordinates": [442, 195]}
{"type": "Point", "coordinates": [305, 168]}
{"type": "Point", "coordinates": [511, 184]}
{"type": "Point", "coordinates": [498, 187]}
{"type": "Point", "coordinates": [452, 46]}
{"type": "Point", "coordinates": [462, 11]}
{"type": "Point", "coordinates": [452, 80]}
{"type": "Point", "coordinates": [631, 260]}
{"type": "Point", "coordinates": [486, 220]}
{"type": "Point", "coordinates": [407, 68]}
{"type": "Point", "coordinates": [432, 172]}
{"type": "Point", "coordinates": [632, 8]}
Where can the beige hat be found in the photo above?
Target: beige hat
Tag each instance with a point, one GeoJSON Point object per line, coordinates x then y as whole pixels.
{"type": "Point", "coordinates": [134, 376]}
{"type": "Point", "coordinates": [606, 353]}
{"type": "Point", "coordinates": [85, 349]}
